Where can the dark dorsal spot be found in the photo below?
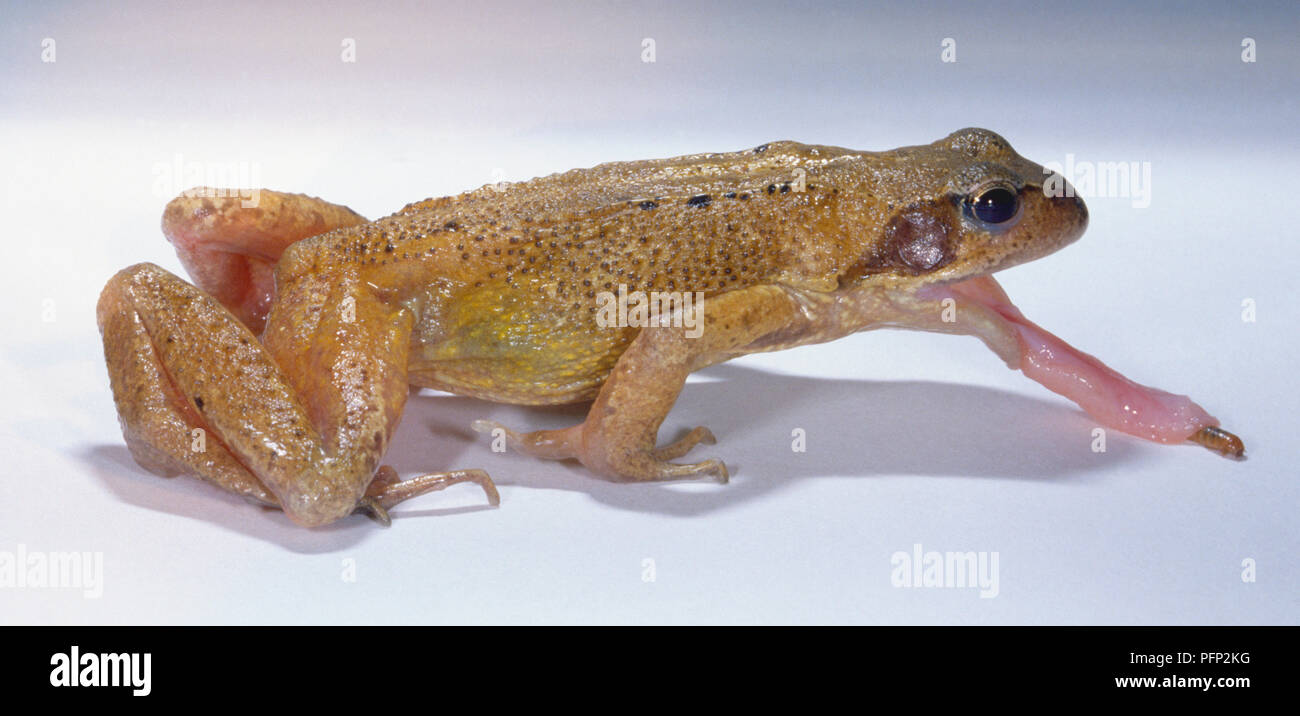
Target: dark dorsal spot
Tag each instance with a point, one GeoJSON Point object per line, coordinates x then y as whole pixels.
{"type": "Point", "coordinates": [451, 226]}
{"type": "Point", "coordinates": [389, 248]}
{"type": "Point", "coordinates": [730, 195]}
{"type": "Point", "coordinates": [771, 188]}
{"type": "Point", "coordinates": [918, 241]}
{"type": "Point", "coordinates": [647, 205]}
{"type": "Point", "coordinates": [199, 402]}
{"type": "Point", "coordinates": [743, 197]}
{"type": "Point", "coordinates": [760, 148]}
{"type": "Point", "coordinates": [700, 200]}
{"type": "Point", "coordinates": [785, 188]}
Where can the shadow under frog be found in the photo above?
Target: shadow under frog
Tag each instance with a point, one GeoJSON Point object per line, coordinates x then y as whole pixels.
{"type": "Point", "coordinates": [932, 429]}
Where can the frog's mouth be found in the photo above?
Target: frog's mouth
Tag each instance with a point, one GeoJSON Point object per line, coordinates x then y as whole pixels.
{"type": "Point", "coordinates": [978, 306]}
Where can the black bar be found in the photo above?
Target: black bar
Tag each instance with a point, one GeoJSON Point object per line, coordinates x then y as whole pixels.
{"type": "Point", "coordinates": [327, 665]}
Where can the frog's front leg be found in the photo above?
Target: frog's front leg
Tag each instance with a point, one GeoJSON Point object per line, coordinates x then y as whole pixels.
{"type": "Point", "coordinates": [619, 435]}
{"type": "Point", "coordinates": [300, 422]}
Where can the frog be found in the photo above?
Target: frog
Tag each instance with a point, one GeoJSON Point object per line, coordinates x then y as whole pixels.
{"type": "Point", "coordinates": [290, 356]}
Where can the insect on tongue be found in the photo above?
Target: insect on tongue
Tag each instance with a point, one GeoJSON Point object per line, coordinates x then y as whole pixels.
{"type": "Point", "coordinates": [1112, 399]}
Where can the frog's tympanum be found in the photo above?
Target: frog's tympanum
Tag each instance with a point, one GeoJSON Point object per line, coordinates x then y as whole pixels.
{"type": "Point", "coordinates": [283, 374]}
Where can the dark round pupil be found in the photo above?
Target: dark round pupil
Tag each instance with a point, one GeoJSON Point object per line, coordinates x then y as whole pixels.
{"type": "Point", "coordinates": [995, 205]}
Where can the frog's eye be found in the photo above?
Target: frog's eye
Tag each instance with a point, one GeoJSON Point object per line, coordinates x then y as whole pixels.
{"type": "Point", "coordinates": [993, 206]}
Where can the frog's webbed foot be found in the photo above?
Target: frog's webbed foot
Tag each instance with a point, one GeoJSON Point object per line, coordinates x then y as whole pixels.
{"type": "Point", "coordinates": [387, 490]}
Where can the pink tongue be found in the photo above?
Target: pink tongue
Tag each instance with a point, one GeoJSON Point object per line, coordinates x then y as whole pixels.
{"type": "Point", "coordinates": [1112, 399]}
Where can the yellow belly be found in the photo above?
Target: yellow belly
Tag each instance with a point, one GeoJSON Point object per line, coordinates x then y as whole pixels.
{"type": "Point", "coordinates": [514, 346]}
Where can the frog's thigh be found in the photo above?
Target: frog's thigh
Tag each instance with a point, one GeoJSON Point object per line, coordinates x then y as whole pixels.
{"type": "Point", "coordinates": [164, 432]}
{"type": "Point", "coordinates": [178, 360]}
{"type": "Point", "coordinates": [619, 435]}
{"type": "Point", "coordinates": [229, 244]}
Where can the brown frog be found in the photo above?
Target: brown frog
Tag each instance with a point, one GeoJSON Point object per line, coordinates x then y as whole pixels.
{"type": "Point", "coordinates": [293, 356]}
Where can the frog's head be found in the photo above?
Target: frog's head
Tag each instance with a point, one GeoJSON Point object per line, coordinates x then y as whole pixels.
{"type": "Point", "coordinates": [965, 206]}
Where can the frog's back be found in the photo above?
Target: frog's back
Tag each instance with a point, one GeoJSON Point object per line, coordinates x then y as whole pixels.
{"type": "Point", "coordinates": [505, 279]}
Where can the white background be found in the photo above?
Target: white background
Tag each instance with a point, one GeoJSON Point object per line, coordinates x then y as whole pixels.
{"type": "Point", "coordinates": [912, 438]}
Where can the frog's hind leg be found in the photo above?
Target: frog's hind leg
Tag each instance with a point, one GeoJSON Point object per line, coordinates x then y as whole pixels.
{"type": "Point", "coordinates": [618, 437]}
{"type": "Point", "coordinates": [163, 430]}
{"type": "Point", "coordinates": [167, 436]}
{"type": "Point", "coordinates": [229, 244]}
{"type": "Point", "coordinates": [293, 425]}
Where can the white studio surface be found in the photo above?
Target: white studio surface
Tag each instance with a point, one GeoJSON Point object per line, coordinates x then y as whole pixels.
{"type": "Point", "coordinates": [912, 439]}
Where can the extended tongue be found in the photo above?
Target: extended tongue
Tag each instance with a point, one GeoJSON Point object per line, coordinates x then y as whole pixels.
{"type": "Point", "coordinates": [1112, 399]}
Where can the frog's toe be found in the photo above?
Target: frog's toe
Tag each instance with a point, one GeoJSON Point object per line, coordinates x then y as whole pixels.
{"type": "Point", "coordinates": [711, 468]}
{"type": "Point", "coordinates": [370, 507]}
{"type": "Point", "coordinates": [387, 490]}
{"type": "Point", "coordinates": [714, 468]}
{"type": "Point", "coordinates": [677, 448]}
{"type": "Point", "coordinates": [548, 444]}
{"type": "Point", "coordinates": [646, 467]}
{"type": "Point", "coordinates": [611, 457]}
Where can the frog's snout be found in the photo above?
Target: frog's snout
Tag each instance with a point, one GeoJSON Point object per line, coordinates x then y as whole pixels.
{"type": "Point", "coordinates": [1073, 213]}
{"type": "Point", "coordinates": [1065, 204]}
